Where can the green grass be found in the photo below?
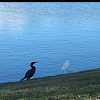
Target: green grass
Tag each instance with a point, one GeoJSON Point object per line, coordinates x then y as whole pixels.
{"type": "Point", "coordinates": [83, 85]}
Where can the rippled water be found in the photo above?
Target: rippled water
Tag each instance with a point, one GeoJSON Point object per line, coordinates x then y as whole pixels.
{"type": "Point", "coordinates": [49, 33]}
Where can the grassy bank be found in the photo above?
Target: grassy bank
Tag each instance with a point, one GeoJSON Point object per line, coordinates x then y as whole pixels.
{"type": "Point", "coordinates": [83, 85]}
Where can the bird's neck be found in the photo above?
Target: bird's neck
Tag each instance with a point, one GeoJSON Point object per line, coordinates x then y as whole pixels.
{"type": "Point", "coordinates": [32, 66]}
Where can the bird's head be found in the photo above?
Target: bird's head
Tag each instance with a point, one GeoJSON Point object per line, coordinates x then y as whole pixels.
{"type": "Point", "coordinates": [32, 63]}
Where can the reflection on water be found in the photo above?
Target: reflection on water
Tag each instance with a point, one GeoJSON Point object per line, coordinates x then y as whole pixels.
{"type": "Point", "coordinates": [48, 33]}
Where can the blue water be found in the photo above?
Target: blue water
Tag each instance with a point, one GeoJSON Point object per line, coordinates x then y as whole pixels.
{"type": "Point", "coordinates": [50, 34]}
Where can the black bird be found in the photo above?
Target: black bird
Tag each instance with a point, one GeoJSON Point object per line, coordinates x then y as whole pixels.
{"type": "Point", "coordinates": [30, 72]}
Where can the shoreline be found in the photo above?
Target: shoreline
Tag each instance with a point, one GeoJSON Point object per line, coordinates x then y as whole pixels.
{"type": "Point", "coordinates": [78, 86]}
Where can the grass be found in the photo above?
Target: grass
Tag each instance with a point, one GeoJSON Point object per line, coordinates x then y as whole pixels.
{"type": "Point", "coordinates": [83, 85]}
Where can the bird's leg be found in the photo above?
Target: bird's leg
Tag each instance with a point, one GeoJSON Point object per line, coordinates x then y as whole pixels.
{"type": "Point", "coordinates": [67, 69]}
{"type": "Point", "coordinates": [63, 71]}
{"type": "Point", "coordinates": [27, 78]}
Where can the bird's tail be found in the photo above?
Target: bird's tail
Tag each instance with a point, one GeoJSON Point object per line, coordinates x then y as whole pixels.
{"type": "Point", "coordinates": [22, 79]}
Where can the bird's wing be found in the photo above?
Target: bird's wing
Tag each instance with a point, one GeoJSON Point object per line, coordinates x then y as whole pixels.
{"type": "Point", "coordinates": [66, 65]}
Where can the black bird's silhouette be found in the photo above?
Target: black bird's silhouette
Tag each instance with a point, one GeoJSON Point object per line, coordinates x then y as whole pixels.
{"type": "Point", "coordinates": [30, 72]}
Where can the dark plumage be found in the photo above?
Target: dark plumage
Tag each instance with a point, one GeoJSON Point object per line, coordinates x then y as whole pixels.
{"type": "Point", "coordinates": [30, 72]}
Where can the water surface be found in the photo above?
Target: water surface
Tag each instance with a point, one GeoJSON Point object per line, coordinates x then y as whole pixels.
{"type": "Point", "coordinates": [50, 34]}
